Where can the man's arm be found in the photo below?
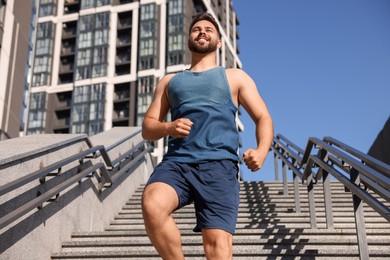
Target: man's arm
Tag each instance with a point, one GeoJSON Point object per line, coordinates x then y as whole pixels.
{"type": "Point", "coordinates": [153, 126]}
{"type": "Point", "coordinates": [250, 99]}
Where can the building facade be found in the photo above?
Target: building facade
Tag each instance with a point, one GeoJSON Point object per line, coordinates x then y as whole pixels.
{"type": "Point", "coordinates": [96, 62]}
{"type": "Point", "coordinates": [15, 45]}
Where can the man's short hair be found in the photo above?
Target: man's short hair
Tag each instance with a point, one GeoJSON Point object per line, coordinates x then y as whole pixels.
{"type": "Point", "coordinates": [204, 16]}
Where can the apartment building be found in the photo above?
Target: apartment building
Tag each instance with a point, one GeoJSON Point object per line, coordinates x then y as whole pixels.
{"type": "Point", "coordinates": [15, 45]}
{"type": "Point", "coordinates": [96, 62]}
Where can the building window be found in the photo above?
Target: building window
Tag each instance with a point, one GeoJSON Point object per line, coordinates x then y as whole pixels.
{"type": "Point", "coordinates": [176, 24]}
{"type": "Point", "coordinates": [92, 46]}
{"type": "Point", "coordinates": [176, 7]}
{"type": "Point", "coordinates": [175, 43]}
{"type": "Point", "coordinates": [43, 46]}
{"type": "Point", "coordinates": [145, 92]}
{"type": "Point", "coordinates": [47, 7]}
{"type": "Point", "coordinates": [37, 113]}
{"type": "Point", "coordinates": [88, 109]}
{"type": "Point", "coordinates": [85, 4]}
{"type": "Point", "coordinates": [148, 37]}
{"type": "Point", "coordinates": [43, 54]}
{"type": "Point", "coordinates": [176, 33]}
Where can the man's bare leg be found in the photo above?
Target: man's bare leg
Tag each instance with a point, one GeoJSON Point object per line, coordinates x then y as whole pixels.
{"type": "Point", "coordinates": [218, 244]}
{"type": "Point", "coordinates": [159, 200]}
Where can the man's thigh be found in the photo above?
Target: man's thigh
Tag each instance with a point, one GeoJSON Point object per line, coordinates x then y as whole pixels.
{"type": "Point", "coordinates": [168, 177]}
{"type": "Point", "coordinates": [216, 194]}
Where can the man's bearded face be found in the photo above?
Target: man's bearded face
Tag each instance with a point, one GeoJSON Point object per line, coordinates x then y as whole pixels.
{"type": "Point", "coordinates": [203, 38]}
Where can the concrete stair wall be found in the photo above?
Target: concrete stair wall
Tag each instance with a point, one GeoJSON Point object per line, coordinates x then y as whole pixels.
{"type": "Point", "coordinates": [83, 206]}
{"type": "Point", "coordinates": [267, 228]}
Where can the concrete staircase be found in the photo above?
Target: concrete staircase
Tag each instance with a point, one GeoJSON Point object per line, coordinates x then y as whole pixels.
{"type": "Point", "coordinates": [267, 228]}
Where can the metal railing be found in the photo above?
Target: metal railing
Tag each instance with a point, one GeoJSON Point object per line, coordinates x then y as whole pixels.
{"type": "Point", "coordinates": [367, 178]}
{"type": "Point", "coordinates": [79, 166]}
{"type": "Point", "coordinates": [4, 135]}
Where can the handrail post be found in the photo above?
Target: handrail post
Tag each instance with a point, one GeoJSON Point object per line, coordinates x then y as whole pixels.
{"type": "Point", "coordinates": [310, 191]}
{"type": "Point", "coordinates": [276, 166]}
{"type": "Point", "coordinates": [359, 218]}
{"type": "Point", "coordinates": [296, 193]}
{"type": "Point", "coordinates": [323, 154]}
{"type": "Point", "coordinates": [327, 199]}
{"type": "Point", "coordinates": [285, 184]}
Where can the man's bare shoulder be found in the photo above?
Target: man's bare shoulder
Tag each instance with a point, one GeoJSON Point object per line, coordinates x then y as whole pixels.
{"type": "Point", "coordinates": [166, 78]}
{"type": "Point", "coordinates": [164, 81]}
{"type": "Point", "coordinates": [235, 73]}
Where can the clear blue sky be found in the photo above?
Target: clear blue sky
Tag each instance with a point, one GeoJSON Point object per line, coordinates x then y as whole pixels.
{"type": "Point", "coordinates": [321, 66]}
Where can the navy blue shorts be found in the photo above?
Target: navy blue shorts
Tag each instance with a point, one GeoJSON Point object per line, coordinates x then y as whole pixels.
{"type": "Point", "coordinates": [212, 186]}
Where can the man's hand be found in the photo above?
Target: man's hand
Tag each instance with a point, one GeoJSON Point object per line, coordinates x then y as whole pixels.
{"type": "Point", "coordinates": [254, 159]}
{"type": "Point", "coordinates": [180, 127]}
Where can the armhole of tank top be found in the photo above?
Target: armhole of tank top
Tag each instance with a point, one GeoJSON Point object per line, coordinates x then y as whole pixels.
{"type": "Point", "coordinates": [169, 84]}
{"type": "Point", "coordinates": [228, 86]}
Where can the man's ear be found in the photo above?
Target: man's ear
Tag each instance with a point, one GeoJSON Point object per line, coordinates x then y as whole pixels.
{"type": "Point", "coordinates": [219, 45]}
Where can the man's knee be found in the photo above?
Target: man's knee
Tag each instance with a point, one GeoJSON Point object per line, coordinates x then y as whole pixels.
{"type": "Point", "coordinates": [217, 243]}
{"type": "Point", "coordinates": [159, 198]}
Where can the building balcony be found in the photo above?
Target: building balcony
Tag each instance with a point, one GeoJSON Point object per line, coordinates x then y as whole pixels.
{"type": "Point", "coordinates": [66, 68]}
{"type": "Point", "coordinates": [62, 123]}
{"type": "Point", "coordinates": [125, 59]}
{"type": "Point", "coordinates": [71, 6]}
{"type": "Point", "coordinates": [122, 69]}
{"type": "Point", "coordinates": [123, 41]}
{"type": "Point", "coordinates": [121, 96]}
{"type": "Point", "coordinates": [69, 33]}
{"type": "Point", "coordinates": [120, 115]}
{"type": "Point", "coordinates": [68, 51]}
{"type": "Point", "coordinates": [122, 2]}
{"type": "Point", "coordinates": [63, 111]}
{"type": "Point", "coordinates": [61, 130]}
{"type": "Point", "coordinates": [65, 73]}
{"type": "Point", "coordinates": [124, 20]}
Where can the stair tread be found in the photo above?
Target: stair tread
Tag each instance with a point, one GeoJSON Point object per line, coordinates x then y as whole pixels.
{"type": "Point", "coordinates": [267, 226]}
{"type": "Point", "coordinates": [237, 250]}
{"type": "Point", "coordinates": [237, 240]}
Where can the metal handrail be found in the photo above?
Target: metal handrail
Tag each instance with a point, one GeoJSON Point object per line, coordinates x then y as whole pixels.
{"type": "Point", "coordinates": [285, 160]}
{"type": "Point", "coordinates": [291, 156]}
{"type": "Point", "coordinates": [362, 168]}
{"type": "Point", "coordinates": [38, 201]}
{"type": "Point", "coordinates": [366, 159]}
{"type": "Point", "coordinates": [338, 160]}
{"type": "Point", "coordinates": [133, 162]}
{"type": "Point", "coordinates": [126, 155]}
{"type": "Point", "coordinates": [106, 169]}
{"type": "Point", "coordinates": [78, 138]}
{"type": "Point", "coordinates": [2, 132]}
{"type": "Point", "coordinates": [289, 143]}
{"type": "Point", "coordinates": [45, 171]}
{"type": "Point", "coordinates": [104, 152]}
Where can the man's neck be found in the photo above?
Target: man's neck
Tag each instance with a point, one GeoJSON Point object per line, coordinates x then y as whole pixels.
{"type": "Point", "coordinates": [202, 62]}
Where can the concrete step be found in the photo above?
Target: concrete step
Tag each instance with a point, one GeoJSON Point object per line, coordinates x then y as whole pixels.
{"type": "Point", "coordinates": [282, 205]}
{"type": "Point", "coordinates": [243, 251]}
{"type": "Point", "coordinates": [268, 228]}
{"type": "Point", "coordinates": [368, 211]}
{"type": "Point", "coordinates": [276, 233]}
{"type": "Point", "coordinates": [245, 248]}
{"type": "Point", "coordinates": [269, 220]}
{"type": "Point", "coordinates": [137, 214]}
{"type": "Point", "coordinates": [275, 225]}
{"type": "Point", "coordinates": [248, 239]}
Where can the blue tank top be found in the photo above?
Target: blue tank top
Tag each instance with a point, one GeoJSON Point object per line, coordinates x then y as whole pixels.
{"type": "Point", "coordinates": [204, 98]}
